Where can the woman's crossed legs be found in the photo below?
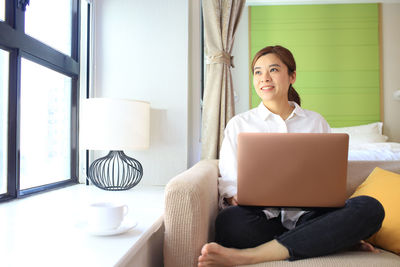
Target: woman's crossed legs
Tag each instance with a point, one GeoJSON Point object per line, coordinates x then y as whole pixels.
{"type": "Point", "coordinates": [245, 236]}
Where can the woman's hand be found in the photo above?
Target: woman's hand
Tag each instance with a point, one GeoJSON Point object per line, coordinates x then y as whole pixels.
{"type": "Point", "coordinates": [232, 200]}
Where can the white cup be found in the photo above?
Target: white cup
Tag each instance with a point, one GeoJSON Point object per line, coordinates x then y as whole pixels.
{"type": "Point", "coordinates": [104, 216]}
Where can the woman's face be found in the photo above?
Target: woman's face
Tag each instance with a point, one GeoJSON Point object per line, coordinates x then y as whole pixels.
{"type": "Point", "coordinates": [271, 79]}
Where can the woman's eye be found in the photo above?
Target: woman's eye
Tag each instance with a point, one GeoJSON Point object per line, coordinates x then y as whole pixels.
{"type": "Point", "coordinates": [273, 70]}
{"type": "Point", "coordinates": [257, 72]}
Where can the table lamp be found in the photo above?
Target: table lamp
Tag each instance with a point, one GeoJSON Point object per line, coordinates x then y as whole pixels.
{"type": "Point", "coordinates": [115, 125]}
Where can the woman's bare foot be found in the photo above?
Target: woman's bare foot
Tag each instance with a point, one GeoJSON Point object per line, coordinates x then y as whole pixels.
{"type": "Point", "coordinates": [213, 254]}
{"type": "Point", "coordinates": [365, 246]}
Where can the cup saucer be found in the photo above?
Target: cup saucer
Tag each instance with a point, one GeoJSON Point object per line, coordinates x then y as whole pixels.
{"type": "Point", "coordinates": [125, 226]}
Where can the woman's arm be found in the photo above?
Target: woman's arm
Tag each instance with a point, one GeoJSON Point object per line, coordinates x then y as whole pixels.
{"type": "Point", "coordinates": [227, 182]}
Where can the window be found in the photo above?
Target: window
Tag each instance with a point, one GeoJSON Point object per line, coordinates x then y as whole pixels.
{"type": "Point", "coordinates": [39, 74]}
{"type": "Point", "coordinates": [2, 10]}
{"type": "Point", "coordinates": [3, 119]}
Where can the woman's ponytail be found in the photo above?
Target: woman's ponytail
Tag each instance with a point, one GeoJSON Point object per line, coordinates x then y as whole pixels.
{"type": "Point", "coordinates": [293, 95]}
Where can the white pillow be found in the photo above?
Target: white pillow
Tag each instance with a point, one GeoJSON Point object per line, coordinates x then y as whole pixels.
{"type": "Point", "coordinates": [357, 138]}
{"type": "Point", "coordinates": [367, 133]}
{"type": "Point", "coordinates": [372, 128]}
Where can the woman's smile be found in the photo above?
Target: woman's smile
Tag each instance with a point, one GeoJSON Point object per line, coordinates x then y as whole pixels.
{"type": "Point", "coordinates": [267, 88]}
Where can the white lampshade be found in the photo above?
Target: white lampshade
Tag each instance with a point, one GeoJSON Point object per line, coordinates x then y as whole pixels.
{"type": "Point", "coordinates": [114, 124]}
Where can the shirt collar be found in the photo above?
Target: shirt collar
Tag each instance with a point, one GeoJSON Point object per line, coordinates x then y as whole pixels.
{"type": "Point", "coordinates": [297, 109]}
{"type": "Point", "coordinates": [264, 112]}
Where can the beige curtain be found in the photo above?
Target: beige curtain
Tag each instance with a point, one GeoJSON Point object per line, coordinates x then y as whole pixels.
{"type": "Point", "coordinates": [221, 18]}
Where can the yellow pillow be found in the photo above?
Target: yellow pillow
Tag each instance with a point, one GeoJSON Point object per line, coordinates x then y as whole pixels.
{"type": "Point", "coordinates": [385, 187]}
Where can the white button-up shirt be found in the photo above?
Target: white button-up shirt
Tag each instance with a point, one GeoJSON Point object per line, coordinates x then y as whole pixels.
{"type": "Point", "coordinates": [260, 119]}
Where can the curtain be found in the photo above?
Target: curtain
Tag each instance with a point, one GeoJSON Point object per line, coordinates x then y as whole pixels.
{"type": "Point", "coordinates": [221, 18]}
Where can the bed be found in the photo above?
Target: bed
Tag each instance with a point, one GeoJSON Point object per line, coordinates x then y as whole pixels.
{"type": "Point", "coordinates": [375, 151]}
{"type": "Point", "coordinates": [368, 143]}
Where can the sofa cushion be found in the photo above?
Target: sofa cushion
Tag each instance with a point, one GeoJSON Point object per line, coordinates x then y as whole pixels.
{"type": "Point", "coordinates": [385, 187]}
{"type": "Point", "coordinates": [348, 259]}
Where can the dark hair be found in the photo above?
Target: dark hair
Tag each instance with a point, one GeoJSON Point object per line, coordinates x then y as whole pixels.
{"type": "Point", "coordinates": [287, 58]}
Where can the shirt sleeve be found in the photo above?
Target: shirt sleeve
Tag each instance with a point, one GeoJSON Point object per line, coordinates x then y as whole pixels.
{"type": "Point", "coordinates": [227, 183]}
{"type": "Point", "coordinates": [322, 125]}
{"type": "Point", "coordinates": [325, 126]}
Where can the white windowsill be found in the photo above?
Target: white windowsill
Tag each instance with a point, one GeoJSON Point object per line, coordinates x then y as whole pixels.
{"type": "Point", "coordinates": [49, 229]}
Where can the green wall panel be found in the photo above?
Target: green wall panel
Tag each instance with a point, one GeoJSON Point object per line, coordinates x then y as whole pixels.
{"type": "Point", "coordinates": [336, 48]}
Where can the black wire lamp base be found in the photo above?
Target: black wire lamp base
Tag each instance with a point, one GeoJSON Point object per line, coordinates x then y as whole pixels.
{"type": "Point", "coordinates": [115, 172]}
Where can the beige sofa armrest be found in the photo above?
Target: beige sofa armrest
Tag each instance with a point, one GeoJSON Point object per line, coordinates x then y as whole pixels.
{"type": "Point", "coordinates": [191, 205]}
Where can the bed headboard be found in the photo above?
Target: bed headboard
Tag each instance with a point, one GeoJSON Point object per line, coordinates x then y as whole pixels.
{"type": "Point", "coordinates": [337, 51]}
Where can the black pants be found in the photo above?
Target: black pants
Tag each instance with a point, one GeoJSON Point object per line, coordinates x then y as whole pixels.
{"type": "Point", "coordinates": [318, 232]}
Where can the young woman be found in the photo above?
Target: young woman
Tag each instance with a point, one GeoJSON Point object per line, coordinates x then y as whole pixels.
{"type": "Point", "coordinates": [248, 235]}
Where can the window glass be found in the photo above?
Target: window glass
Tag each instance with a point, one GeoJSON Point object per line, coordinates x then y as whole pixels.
{"type": "Point", "coordinates": [45, 145]}
{"type": "Point", "coordinates": [3, 119]}
{"type": "Point", "coordinates": [3, 10]}
{"type": "Point", "coordinates": [51, 26]}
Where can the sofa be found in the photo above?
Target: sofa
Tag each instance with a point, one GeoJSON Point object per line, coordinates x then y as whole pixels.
{"type": "Point", "coordinates": [191, 206]}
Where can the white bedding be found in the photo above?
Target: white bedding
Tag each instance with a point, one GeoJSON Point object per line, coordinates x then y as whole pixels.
{"type": "Point", "coordinates": [375, 151]}
{"type": "Point", "coordinates": [367, 142]}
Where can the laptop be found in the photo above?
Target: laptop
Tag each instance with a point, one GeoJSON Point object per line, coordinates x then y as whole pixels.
{"type": "Point", "coordinates": [292, 169]}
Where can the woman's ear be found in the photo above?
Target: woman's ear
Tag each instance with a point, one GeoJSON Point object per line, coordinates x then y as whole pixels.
{"type": "Point", "coordinates": [292, 77]}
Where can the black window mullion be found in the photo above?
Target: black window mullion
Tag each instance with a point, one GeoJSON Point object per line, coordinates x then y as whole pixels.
{"type": "Point", "coordinates": [42, 188]}
{"type": "Point", "coordinates": [10, 14]}
{"type": "Point", "coordinates": [19, 22]}
{"type": "Point", "coordinates": [57, 60]}
{"type": "Point", "coordinates": [13, 124]}
{"type": "Point", "coordinates": [88, 75]}
{"type": "Point", "coordinates": [74, 130]}
{"type": "Point", "coordinates": [16, 23]}
{"type": "Point", "coordinates": [75, 54]}
{"type": "Point", "coordinates": [13, 104]}
{"type": "Point", "coordinates": [75, 51]}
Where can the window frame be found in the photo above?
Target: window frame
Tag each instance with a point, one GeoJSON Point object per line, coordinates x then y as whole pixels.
{"type": "Point", "coordinates": [14, 40]}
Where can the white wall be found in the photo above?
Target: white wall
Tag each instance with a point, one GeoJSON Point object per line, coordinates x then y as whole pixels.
{"type": "Point", "coordinates": [391, 67]}
{"type": "Point", "coordinates": [141, 52]}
